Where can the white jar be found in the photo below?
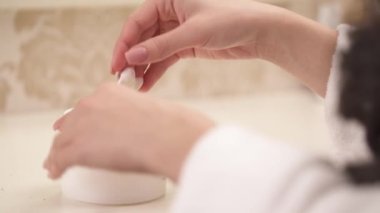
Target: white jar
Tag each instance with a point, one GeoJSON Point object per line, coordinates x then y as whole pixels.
{"type": "Point", "coordinates": [111, 188]}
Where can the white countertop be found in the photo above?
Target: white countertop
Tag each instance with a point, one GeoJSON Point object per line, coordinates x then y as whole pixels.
{"type": "Point", "coordinates": [295, 117]}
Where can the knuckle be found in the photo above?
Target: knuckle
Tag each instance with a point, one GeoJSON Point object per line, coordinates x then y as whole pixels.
{"type": "Point", "coordinates": [134, 20]}
{"type": "Point", "coordinates": [83, 156]}
{"type": "Point", "coordinates": [105, 87]}
{"type": "Point", "coordinates": [57, 142]}
{"type": "Point", "coordinates": [60, 161]}
{"type": "Point", "coordinates": [63, 162]}
{"type": "Point", "coordinates": [86, 103]}
{"type": "Point", "coordinates": [68, 157]}
{"type": "Point", "coordinates": [74, 141]}
{"type": "Point", "coordinates": [155, 46]}
{"type": "Point", "coordinates": [83, 103]}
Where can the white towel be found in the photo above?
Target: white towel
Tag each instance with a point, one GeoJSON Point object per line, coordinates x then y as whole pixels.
{"type": "Point", "coordinates": [347, 136]}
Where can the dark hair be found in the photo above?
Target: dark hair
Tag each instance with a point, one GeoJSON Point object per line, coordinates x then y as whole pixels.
{"type": "Point", "coordinates": [360, 96]}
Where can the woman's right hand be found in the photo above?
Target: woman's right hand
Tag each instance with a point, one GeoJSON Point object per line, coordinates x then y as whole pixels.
{"type": "Point", "coordinates": [161, 32]}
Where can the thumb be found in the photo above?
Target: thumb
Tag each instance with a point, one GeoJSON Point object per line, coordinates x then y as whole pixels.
{"type": "Point", "coordinates": [163, 46]}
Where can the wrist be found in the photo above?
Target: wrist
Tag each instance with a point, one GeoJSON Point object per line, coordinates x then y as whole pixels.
{"type": "Point", "coordinates": [278, 33]}
{"type": "Point", "coordinates": [301, 46]}
{"type": "Point", "coordinates": [178, 134]}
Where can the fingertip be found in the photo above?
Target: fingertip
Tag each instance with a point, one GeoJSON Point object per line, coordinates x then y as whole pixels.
{"type": "Point", "coordinates": [45, 165]}
{"type": "Point", "coordinates": [117, 69]}
{"type": "Point", "coordinates": [55, 128]}
{"type": "Point", "coordinates": [118, 59]}
{"type": "Point", "coordinates": [53, 172]}
{"type": "Point", "coordinates": [113, 71]}
{"type": "Point", "coordinates": [137, 55]}
{"type": "Point", "coordinates": [145, 87]}
{"type": "Point", "coordinates": [53, 176]}
{"type": "Point", "coordinates": [56, 125]}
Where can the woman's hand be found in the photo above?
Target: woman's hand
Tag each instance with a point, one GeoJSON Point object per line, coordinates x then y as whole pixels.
{"type": "Point", "coordinates": [161, 32]}
{"type": "Point", "coordinates": [119, 129]}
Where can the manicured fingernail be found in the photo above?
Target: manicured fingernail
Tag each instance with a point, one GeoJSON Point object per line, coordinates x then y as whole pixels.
{"type": "Point", "coordinates": [67, 111]}
{"type": "Point", "coordinates": [137, 55]}
{"type": "Point", "coordinates": [113, 68]}
{"type": "Point", "coordinates": [139, 82]}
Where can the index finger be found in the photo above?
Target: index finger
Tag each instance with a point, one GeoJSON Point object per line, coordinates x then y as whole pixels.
{"type": "Point", "coordinates": [138, 22]}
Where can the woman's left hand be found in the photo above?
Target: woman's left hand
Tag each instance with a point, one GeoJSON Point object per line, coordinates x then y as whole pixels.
{"type": "Point", "coordinates": [116, 128]}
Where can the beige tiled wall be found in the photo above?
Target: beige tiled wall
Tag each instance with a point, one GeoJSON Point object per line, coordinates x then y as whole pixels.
{"type": "Point", "coordinates": [50, 58]}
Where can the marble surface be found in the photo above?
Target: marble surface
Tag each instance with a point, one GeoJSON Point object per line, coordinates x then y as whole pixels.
{"type": "Point", "coordinates": [295, 117]}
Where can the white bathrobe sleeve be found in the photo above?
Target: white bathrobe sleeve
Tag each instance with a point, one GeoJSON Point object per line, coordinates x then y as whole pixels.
{"type": "Point", "coordinates": [231, 170]}
{"type": "Point", "coordinates": [348, 137]}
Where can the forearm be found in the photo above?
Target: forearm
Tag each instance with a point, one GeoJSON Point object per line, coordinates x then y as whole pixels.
{"type": "Point", "coordinates": [301, 46]}
{"type": "Point", "coordinates": [182, 128]}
